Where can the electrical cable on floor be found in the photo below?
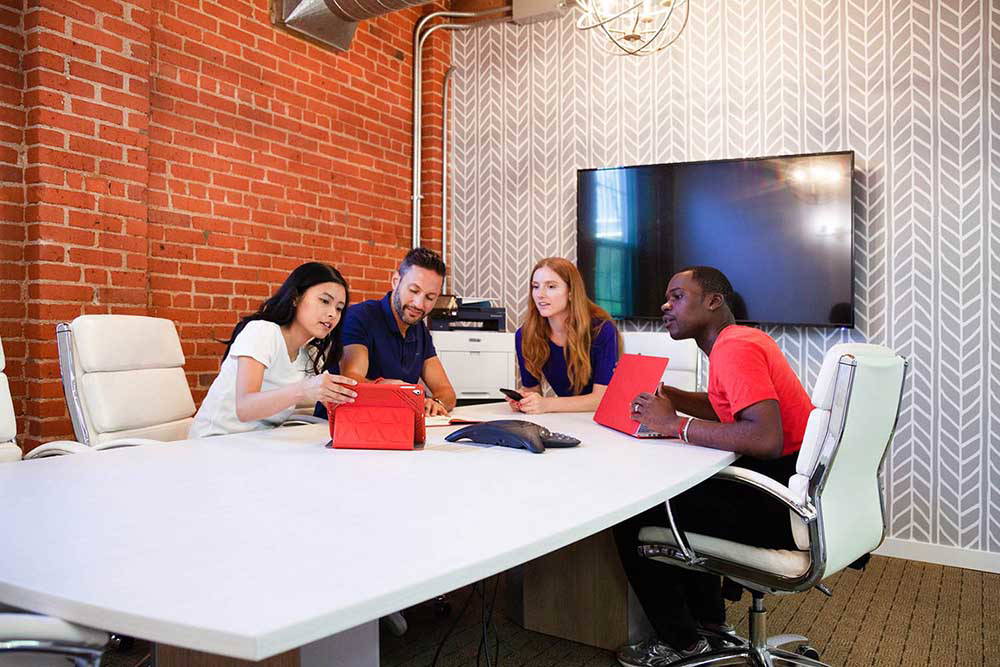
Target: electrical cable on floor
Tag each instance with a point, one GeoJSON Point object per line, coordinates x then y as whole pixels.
{"type": "Point", "coordinates": [484, 636]}
{"type": "Point", "coordinates": [487, 621]}
{"type": "Point", "coordinates": [458, 618]}
{"type": "Point", "coordinates": [496, 635]}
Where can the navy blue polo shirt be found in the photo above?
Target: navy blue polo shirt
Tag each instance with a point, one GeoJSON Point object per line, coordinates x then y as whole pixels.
{"type": "Point", "coordinates": [390, 354]}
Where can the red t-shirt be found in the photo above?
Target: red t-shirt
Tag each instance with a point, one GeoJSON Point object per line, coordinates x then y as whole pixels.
{"type": "Point", "coordinates": [746, 367]}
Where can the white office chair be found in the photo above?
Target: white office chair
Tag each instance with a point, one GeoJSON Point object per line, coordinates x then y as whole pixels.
{"type": "Point", "coordinates": [123, 378]}
{"type": "Point", "coordinates": [685, 357]}
{"type": "Point", "coordinates": [835, 500]}
{"type": "Point", "coordinates": [9, 451]}
{"type": "Point", "coordinates": [25, 633]}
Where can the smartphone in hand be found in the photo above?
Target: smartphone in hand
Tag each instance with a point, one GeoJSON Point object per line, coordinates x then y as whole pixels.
{"type": "Point", "coordinates": [511, 394]}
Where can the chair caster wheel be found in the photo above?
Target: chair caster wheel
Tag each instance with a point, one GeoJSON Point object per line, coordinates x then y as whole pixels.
{"type": "Point", "coordinates": [395, 623]}
{"type": "Point", "coordinates": [807, 651]}
{"type": "Point", "coordinates": [121, 643]}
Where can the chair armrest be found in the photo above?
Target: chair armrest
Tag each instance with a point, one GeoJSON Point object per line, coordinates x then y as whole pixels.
{"type": "Point", "coordinates": [302, 420]}
{"type": "Point", "coordinates": [687, 553]}
{"type": "Point", "coordinates": [16, 627]}
{"type": "Point", "coordinates": [58, 448]}
{"type": "Point", "coordinates": [748, 477]}
{"type": "Point", "coordinates": [767, 485]}
{"type": "Point", "coordinates": [127, 442]}
{"type": "Point", "coordinates": [705, 559]}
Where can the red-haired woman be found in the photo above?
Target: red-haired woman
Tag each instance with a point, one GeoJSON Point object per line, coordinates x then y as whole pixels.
{"type": "Point", "coordinates": [567, 340]}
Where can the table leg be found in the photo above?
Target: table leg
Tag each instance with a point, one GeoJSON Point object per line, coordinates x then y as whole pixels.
{"type": "Point", "coordinates": [174, 656]}
{"type": "Point", "coordinates": [357, 647]}
{"type": "Point", "coordinates": [580, 593]}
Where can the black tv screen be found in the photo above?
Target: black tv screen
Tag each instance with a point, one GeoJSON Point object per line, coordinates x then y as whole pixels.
{"type": "Point", "coordinates": [780, 228]}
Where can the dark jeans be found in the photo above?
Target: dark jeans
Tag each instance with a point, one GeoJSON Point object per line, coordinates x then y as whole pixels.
{"type": "Point", "coordinates": [675, 599]}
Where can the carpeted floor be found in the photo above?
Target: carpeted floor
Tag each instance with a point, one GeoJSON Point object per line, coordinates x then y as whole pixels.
{"type": "Point", "coordinates": [896, 612]}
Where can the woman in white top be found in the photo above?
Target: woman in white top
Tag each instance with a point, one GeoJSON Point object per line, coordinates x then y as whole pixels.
{"type": "Point", "coordinates": [275, 357]}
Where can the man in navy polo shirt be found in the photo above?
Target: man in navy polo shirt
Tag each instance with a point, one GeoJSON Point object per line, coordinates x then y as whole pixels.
{"type": "Point", "coordinates": [386, 338]}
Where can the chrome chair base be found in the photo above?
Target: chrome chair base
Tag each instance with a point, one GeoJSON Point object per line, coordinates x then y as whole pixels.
{"type": "Point", "coordinates": [765, 656]}
{"type": "Point", "coordinates": [749, 655]}
{"type": "Point", "coordinates": [758, 651]}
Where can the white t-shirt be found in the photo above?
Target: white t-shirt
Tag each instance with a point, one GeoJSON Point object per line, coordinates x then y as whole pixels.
{"type": "Point", "coordinates": [262, 341]}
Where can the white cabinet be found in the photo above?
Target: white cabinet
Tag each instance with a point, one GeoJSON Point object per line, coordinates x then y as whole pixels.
{"type": "Point", "coordinates": [478, 363]}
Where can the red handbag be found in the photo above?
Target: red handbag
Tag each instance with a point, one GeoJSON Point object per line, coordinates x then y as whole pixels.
{"type": "Point", "coordinates": [382, 416]}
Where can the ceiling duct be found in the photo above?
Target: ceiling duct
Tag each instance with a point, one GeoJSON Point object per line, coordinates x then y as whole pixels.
{"type": "Point", "coordinates": [332, 22]}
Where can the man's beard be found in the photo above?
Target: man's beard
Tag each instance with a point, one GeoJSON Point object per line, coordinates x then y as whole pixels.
{"type": "Point", "coordinates": [397, 305]}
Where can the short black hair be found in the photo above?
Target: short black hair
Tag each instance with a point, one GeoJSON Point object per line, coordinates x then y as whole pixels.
{"type": "Point", "coordinates": [710, 279]}
{"type": "Point", "coordinates": [425, 258]}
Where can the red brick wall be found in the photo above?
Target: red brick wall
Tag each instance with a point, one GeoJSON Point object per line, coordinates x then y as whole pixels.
{"type": "Point", "coordinates": [181, 158]}
{"type": "Point", "coordinates": [12, 233]}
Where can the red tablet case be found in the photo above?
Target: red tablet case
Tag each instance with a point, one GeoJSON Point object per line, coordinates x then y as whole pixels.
{"type": "Point", "coordinates": [383, 416]}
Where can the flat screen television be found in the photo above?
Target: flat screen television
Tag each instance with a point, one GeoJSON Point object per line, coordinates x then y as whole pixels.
{"type": "Point", "coordinates": [781, 229]}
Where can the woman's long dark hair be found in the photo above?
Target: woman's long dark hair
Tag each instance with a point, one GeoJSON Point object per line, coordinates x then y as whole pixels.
{"type": "Point", "coordinates": [280, 309]}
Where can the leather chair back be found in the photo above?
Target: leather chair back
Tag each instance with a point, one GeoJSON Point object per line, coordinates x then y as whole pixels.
{"type": "Point", "coordinates": [123, 377]}
{"type": "Point", "coordinates": [684, 355]}
{"type": "Point", "coordinates": [856, 403]}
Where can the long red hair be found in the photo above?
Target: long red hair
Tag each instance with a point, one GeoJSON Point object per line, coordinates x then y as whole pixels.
{"type": "Point", "coordinates": [580, 326]}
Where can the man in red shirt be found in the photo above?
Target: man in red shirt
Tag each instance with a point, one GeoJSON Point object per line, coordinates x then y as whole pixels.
{"type": "Point", "coordinates": [756, 407]}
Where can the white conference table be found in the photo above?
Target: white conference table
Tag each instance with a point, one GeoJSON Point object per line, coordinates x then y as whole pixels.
{"type": "Point", "coordinates": [254, 544]}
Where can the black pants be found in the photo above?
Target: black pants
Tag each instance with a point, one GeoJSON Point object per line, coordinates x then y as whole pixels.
{"type": "Point", "coordinates": [675, 599]}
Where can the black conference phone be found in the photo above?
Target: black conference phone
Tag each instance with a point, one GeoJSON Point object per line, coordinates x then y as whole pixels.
{"type": "Point", "coordinates": [513, 433]}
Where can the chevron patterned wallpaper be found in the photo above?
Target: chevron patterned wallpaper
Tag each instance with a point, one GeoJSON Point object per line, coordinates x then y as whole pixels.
{"type": "Point", "coordinates": [912, 87]}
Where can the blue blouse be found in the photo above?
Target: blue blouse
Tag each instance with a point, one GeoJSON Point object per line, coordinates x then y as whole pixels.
{"type": "Point", "coordinates": [603, 358]}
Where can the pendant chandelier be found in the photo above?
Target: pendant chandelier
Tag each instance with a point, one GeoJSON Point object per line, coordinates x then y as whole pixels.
{"type": "Point", "coordinates": [633, 27]}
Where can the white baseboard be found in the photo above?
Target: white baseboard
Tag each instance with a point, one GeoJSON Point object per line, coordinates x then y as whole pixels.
{"type": "Point", "coordinates": [970, 559]}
